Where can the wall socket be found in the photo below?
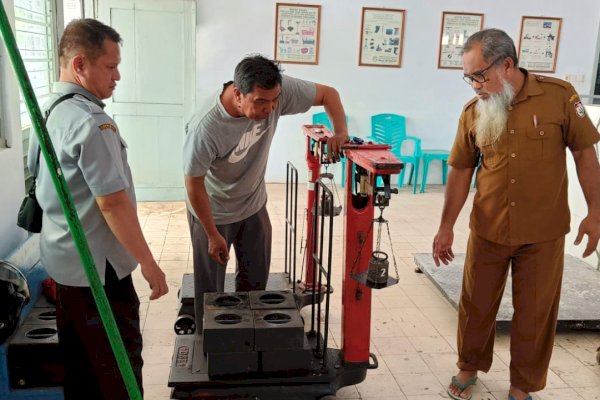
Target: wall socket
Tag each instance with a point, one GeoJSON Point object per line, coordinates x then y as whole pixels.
{"type": "Point", "coordinates": [575, 78]}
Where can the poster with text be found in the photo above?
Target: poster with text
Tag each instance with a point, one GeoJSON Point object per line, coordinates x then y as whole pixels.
{"type": "Point", "coordinates": [381, 37]}
{"type": "Point", "coordinates": [456, 29]}
{"type": "Point", "coordinates": [297, 33]}
{"type": "Point", "coordinates": [538, 43]}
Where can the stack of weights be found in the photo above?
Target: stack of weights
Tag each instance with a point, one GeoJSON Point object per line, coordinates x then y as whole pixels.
{"type": "Point", "coordinates": [34, 358]}
{"type": "Point", "coordinates": [255, 332]}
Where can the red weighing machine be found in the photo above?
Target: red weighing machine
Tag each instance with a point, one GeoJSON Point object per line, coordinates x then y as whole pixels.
{"type": "Point", "coordinates": [257, 345]}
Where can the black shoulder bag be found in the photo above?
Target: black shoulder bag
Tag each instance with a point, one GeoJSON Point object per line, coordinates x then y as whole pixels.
{"type": "Point", "coordinates": [30, 212]}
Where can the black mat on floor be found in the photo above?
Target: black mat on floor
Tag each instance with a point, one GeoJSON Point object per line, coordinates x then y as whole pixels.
{"type": "Point", "coordinates": [580, 299]}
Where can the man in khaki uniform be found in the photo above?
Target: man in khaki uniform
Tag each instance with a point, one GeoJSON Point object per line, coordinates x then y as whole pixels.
{"type": "Point", "coordinates": [518, 128]}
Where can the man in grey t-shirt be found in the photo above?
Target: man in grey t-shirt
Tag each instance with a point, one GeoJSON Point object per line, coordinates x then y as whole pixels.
{"type": "Point", "coordinates": [225, 157]}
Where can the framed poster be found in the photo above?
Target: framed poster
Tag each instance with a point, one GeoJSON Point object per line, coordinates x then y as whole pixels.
{"type": "Point", "coordinates": [381, 37]}
{"type": "Point", "coordinates": [297, 33]}
{"type": "Point", "coordinates": [456, 29]}
{"type": "Point", "coordinates": [538, 43]}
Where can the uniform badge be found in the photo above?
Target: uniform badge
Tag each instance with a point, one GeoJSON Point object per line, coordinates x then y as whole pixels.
{"type": "Point", "coordinates": [579, 109]}
{"type": "Point", "coordinates": [108, 126]}
{"type": "Point", "coordinates": [573, 98]}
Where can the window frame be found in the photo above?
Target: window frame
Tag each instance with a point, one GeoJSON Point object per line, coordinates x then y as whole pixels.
{"type": "Point", "coordinates": [53, 27]}
{"type": "Point", "coordinates": [595, 81]}
{"type": "Point", "coordinates": [4, 144]}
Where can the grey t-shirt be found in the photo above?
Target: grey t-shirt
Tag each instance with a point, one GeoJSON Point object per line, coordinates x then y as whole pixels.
{"type": "Point", "coordinates": [93, 159]}
{"type": "Point", "coordinates": [232, 152]}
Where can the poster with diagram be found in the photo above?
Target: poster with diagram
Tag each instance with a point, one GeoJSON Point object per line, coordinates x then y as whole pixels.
{"type": "Point", "coordinates": [381, 37]}
{"type": "Point", "coordinates": [456, 29]}
{"type": "Point", "coordinates": [538, 43]}
{"type": "Point", "coordinates": [297, 33]}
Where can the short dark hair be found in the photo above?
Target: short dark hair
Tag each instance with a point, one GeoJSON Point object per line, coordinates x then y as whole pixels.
{"type": "Point", "coordinates": [86, 35]}
{"type": "Point", "coordinates": [256, 70]}
{"type": "Point", "coordinates": [495, 44]}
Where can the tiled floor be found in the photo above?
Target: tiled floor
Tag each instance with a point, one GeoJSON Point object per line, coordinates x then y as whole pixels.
{"type": "Point", "coordinates": [413, 327]}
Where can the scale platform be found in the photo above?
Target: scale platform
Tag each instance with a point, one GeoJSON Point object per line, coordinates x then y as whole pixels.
{"type": "Point", "coordinates": [189, 378]}
{"type": "Point", "coordinates": [579, 302]}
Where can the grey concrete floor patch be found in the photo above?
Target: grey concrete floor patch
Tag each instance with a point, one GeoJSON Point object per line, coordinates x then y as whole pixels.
{"type": "Point", "coordinates": [580, 299]}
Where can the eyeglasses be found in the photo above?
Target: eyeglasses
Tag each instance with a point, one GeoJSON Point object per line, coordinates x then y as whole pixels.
{"type": "Point", "coordinates": [480, 77]}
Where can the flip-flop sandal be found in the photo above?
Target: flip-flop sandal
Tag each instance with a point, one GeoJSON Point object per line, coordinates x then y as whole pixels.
{"type": "Point", "coordinates": [462, 387]}
{"type": "Point", "coordinates": [511, 397]}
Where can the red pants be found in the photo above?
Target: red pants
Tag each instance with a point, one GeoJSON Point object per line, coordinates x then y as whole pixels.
{"type": "Point", "coordinates": [536, 279]}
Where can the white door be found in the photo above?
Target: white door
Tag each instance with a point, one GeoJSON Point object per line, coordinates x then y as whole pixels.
{"type": "Point", "coordinates": [155, 97]}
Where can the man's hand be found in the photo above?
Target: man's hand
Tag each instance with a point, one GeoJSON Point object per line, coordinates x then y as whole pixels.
{"type": "Point", "coordinates": [590, 226]}
{"type": "Point", "coordinates": [442, 247]}
{"type": "Point", "coordinates": [155, 278]}
{"type": "Point", "coordinates": [334, 146]}
{"type": "Point", "coordinates": [217, 249]}
{"type": "Point", "coordinates": [588, 172]}
{"type": "Point", "coordinates": [329, 98]}
{"type": "Point", "coordinates": [120, 215]}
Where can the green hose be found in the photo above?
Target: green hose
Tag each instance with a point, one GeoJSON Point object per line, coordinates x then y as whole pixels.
{"type": "Point", "coordinates": [68, 207]}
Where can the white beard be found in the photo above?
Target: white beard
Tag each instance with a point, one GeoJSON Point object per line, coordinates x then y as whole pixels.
{"type": "Point", "coordinates": [492, 115]}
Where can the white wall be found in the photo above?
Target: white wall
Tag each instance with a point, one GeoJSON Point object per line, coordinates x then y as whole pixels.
{"type": "Point", "coordinates": [577, 202]}
{"type": "Point", "coordinates": [429, 97]}
{"type": "Point", "coordinates": [11, 158]}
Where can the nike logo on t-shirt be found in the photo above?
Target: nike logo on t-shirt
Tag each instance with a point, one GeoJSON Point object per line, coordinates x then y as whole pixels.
{"type": "Point", "coordinates": [248, 140]}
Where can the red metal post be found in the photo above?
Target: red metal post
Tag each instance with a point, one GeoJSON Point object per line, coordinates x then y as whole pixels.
{"type": "Point", "coordinates": [358, 245]}
{"type": "Point", "coordinates": [316, 137]}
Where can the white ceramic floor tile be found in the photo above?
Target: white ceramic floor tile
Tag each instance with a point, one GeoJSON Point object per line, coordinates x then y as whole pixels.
{"type": "Point", "coordinates": [405, 364]}
{"type": "Point", "coordinates": [156, 392]}
{"type": "Point", "coordinates": [380, 386]}
{"type": "Point", "coordinates": [419, 384]}
{"type": "Point", "coordinates": [589, 393]}
{"type": "Point", "coordinates": [157, 354]}
{"type": "Point", "coordinates": [413, 328]}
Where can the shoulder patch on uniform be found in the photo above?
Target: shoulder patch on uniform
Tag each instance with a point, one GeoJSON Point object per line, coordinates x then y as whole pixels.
{"type": "Point", "coordinates": [573, 98]}
{"type": "Point", "coordinates": [108, 126]}
{"type": "Point", "coordinates": [549, 79]}
{"type": "Point", "coordinates": [579, 109]}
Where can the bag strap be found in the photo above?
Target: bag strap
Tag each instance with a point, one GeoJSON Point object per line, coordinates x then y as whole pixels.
{"type": "Point", "coordinates": [47, 115]}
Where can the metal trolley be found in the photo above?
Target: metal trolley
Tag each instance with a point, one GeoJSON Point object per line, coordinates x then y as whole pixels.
{"type": "Point", "coordinates": [317, 370]}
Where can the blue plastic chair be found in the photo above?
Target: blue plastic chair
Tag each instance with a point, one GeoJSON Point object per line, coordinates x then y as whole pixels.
{"type": "Point", "coordinates": [322, 119]}
{"type": "Point", "coordinates": [430, 155]}
{"type": "Point", "coordinates": [391, 129]}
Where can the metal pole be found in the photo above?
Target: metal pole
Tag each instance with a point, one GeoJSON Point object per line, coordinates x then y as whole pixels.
{"type": "Point", "coordinates": [69, 210]}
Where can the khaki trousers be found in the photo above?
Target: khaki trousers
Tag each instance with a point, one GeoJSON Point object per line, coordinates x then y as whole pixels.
{"type": "Point", "coordinates": [536, 281]}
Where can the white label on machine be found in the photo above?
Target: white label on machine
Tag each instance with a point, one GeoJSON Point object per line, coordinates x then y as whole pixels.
{"type": "Point", "coordinates": [309, 184]}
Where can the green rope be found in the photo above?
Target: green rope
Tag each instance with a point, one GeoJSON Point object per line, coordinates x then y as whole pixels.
{"type": "Point", "coordinates": [69, 210]}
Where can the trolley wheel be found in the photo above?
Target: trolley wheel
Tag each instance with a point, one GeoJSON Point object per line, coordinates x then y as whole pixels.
{"type": "Point", "coordinates": [185, 325]}
{"type": "Point", "coordinates": [598, 355]}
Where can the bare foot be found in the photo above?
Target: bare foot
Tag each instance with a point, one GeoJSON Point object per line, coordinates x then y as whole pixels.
{"type": "Point", "coordinates": [457, 387]}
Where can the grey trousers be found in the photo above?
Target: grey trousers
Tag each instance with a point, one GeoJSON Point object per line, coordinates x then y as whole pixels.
{"type": "Point", "coordinates": [251, 239]}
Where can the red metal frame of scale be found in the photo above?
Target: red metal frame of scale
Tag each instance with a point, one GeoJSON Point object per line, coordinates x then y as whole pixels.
{"type": "Point", "coordinates": [316, 139]}
{"type": "Point", "coordinates": [370, 161]}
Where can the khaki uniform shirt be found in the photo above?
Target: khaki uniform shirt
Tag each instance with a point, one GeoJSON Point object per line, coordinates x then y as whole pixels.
{"type": "Point", "coordinates": [522, 179]}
